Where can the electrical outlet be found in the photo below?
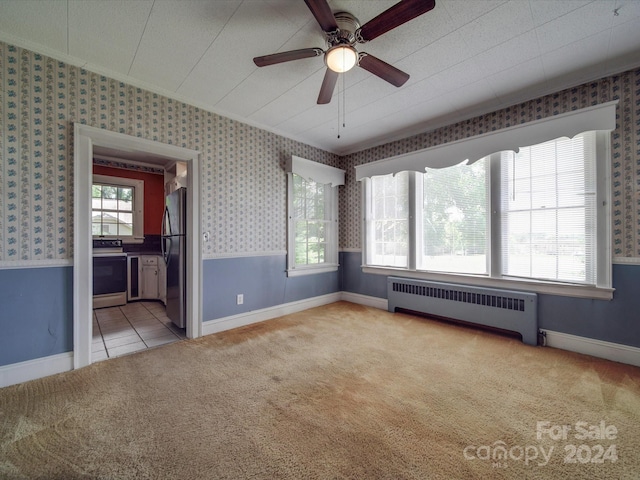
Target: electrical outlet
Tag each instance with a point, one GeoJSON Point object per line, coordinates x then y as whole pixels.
{"type": "Point", "coordinates": [240, 299]}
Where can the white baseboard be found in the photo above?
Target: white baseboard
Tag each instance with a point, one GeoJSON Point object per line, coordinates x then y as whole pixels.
{"type": "Point", "coordinates": [247, 318]}
{"type": "Point", "coordinates": [38, 368]}
{"type": "Point", "coordinates": [597, 348]}
{"type": "Point", "coordinates": [375, 302]}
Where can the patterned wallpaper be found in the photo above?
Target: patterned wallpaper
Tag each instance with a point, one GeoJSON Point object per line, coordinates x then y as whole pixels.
{"type": "Point", "coordinates": [625, 159]}
{"type": "Point", "coordinates": [242, 168]}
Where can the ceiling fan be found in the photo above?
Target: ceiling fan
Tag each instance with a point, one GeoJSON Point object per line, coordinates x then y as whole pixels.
{"type": "Point", "coordinates": [343, 31]}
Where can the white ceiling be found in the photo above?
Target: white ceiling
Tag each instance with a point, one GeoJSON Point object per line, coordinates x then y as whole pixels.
{"type": "Point", "coordinates": [465, 57]}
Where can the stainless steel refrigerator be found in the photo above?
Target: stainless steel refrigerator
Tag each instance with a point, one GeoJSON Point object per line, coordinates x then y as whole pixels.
{"type": "Point", "coordinates": [174, 251]}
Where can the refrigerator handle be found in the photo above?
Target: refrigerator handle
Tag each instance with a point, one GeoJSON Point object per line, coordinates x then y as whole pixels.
{"type": "Point", "coordinates": [166, 251]}
{"type": "Point", "coordinates": [166, 222]}
{"type": "Point", "coordinates": [163, 232]}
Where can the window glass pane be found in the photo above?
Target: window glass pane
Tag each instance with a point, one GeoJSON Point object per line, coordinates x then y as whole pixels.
{"type": "Point", "coordinates": [112, 210]}
{"type": "Point", "coordinates": [388, 221]}
{"type": "Point", "coordinates": [301, 253]}
{"type": "Point", "coordinates": [301, 231]}
{"type": "Point", "coordinates": [310, 215]}
{"type": "Point", "coordinates": [454, 219]}
{"type": "Point", "coordinates": [125, 199]}
{"type": "Point", "coordinates": [547, 226]}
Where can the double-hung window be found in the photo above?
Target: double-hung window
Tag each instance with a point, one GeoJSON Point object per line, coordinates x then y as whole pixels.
{"type": "Point", "coordinates": [388, 221]}
{"type": "Point", "coordinates": [117, 208]}
{"type": "Point", "coordinates": [312, 217]}
{"type": "Point", "coordinates": [535, 217]}
{"type": "Point", "coordinates": [548, 214]}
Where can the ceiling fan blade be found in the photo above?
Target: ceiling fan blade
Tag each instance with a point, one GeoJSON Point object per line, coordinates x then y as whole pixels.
{"type": "Point", "coordinates": [287, 56]}
{"type": "Point", "coordinates": [383, 70]}
{"type": "Point", "coordinates": [393, 17]}
{"type": "Point", "coordinates": [328, 86]}
{"type": "Point", "coordinates": [323, 14]}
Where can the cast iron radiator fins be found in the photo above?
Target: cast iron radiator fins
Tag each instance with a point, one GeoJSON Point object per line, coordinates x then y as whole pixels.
{"type": "Point", "coordinates": [504, 309]}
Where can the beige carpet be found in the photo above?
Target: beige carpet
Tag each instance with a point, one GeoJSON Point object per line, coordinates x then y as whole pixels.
{"type": "Point", "coordinates": [342, 391]}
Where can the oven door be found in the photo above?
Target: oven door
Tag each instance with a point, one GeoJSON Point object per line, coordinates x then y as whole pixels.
{"type": "Point", "coordinates": [109, 273]}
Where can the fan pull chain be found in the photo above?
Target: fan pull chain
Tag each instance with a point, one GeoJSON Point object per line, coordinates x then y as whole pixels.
{"type": "Point", "coordinates": [338, 102]}
{"type": "Point", "coordinates": [344, 104]}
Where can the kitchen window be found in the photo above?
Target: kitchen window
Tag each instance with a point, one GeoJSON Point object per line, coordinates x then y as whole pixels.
{"type": "Point", "coordinates": [117, 208]}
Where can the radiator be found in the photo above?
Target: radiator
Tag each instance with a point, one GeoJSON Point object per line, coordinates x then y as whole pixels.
{"type": "Point", "coordinates": [504, 309]}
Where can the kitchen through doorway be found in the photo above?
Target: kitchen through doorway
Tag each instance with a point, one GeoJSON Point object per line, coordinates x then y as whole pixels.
{"type": "Point", "coordinates": [143, 323]}
{"type": "Point", "coordinates": [129, 262]}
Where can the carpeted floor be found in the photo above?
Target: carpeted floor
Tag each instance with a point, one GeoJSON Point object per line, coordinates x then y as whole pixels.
{"type": "Point", "coordinates": [341, 391]}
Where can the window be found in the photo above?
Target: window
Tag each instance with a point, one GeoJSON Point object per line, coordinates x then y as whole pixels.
{"type": "Point", "coordinates": [313, 217]}
{"type": "Point", "coordinates": [548, 211]}
{"type": "Point", "coordinates": [529, 216]}
{"type": "Point", "coordinates": [452, 210]}
{"type": "Point", "coordinates": [388, 221]}
{"type": "Point", "coordinates": [117, 206]}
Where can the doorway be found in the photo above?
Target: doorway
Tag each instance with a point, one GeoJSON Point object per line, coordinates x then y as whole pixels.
{"type": "Point", "coordinates": [86, 139]}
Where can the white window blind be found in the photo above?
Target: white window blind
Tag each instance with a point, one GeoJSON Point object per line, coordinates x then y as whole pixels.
{"type": "Point", "coordinates": [549, 210]}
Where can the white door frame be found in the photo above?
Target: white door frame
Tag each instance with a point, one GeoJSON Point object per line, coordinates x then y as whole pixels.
{"type": "Point", "coordinates": [85, 138]}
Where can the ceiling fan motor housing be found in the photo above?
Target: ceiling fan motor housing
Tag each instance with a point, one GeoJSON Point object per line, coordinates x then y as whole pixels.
{"type": "Point", "coordinates": [347, 27]}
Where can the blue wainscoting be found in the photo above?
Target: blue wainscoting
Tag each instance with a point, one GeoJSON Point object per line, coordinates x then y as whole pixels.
{"type": "Point", "coordinates": [262, 280]}
{"type": "Point", "coordinates": [616, 321]}
{"type": "Point", "coordinates": [36, 313]}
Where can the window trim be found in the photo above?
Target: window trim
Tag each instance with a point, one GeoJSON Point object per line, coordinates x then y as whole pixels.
{"type": "Point", "coordinates": [327, 175]}
{"type": "Point", "coordinates": [138, 206]}
{"type": "Point", "coordinates": [603, 290]}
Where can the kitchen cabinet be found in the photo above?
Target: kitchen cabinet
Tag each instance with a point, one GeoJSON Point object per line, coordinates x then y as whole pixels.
{"type": "Point", "coordinates": [147, 278]}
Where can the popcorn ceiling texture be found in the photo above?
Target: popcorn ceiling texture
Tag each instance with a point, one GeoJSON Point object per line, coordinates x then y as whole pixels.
{"type": "Point", "coordinates": [242, 175]}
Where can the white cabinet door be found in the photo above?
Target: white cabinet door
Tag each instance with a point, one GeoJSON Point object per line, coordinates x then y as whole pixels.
{"type": "Point", "coordinates": [149, 277]}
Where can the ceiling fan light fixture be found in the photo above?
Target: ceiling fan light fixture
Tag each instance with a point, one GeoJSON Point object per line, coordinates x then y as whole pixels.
{"type": "Point", "coordinates": [341, 58]}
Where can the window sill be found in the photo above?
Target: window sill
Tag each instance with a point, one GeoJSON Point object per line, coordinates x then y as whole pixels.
{"type": "Point", "coordinates": [565, 290]}
{"type": "Point", "coordinates": [298, 272]}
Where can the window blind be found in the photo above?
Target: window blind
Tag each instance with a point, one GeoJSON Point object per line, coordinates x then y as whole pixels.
{"type": "Point", "coordinates": [547, 212]}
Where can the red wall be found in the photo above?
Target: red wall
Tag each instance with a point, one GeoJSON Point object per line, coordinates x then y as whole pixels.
{"type": "Point", "coordinates": [153, 194]}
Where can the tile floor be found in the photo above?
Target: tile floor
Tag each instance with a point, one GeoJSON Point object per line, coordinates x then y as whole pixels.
{"type": "Point", "coordinates": [130, 328]}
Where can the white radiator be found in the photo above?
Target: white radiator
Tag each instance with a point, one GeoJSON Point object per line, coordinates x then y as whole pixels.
{"type": "Point", "coordinates": [504, 309]}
